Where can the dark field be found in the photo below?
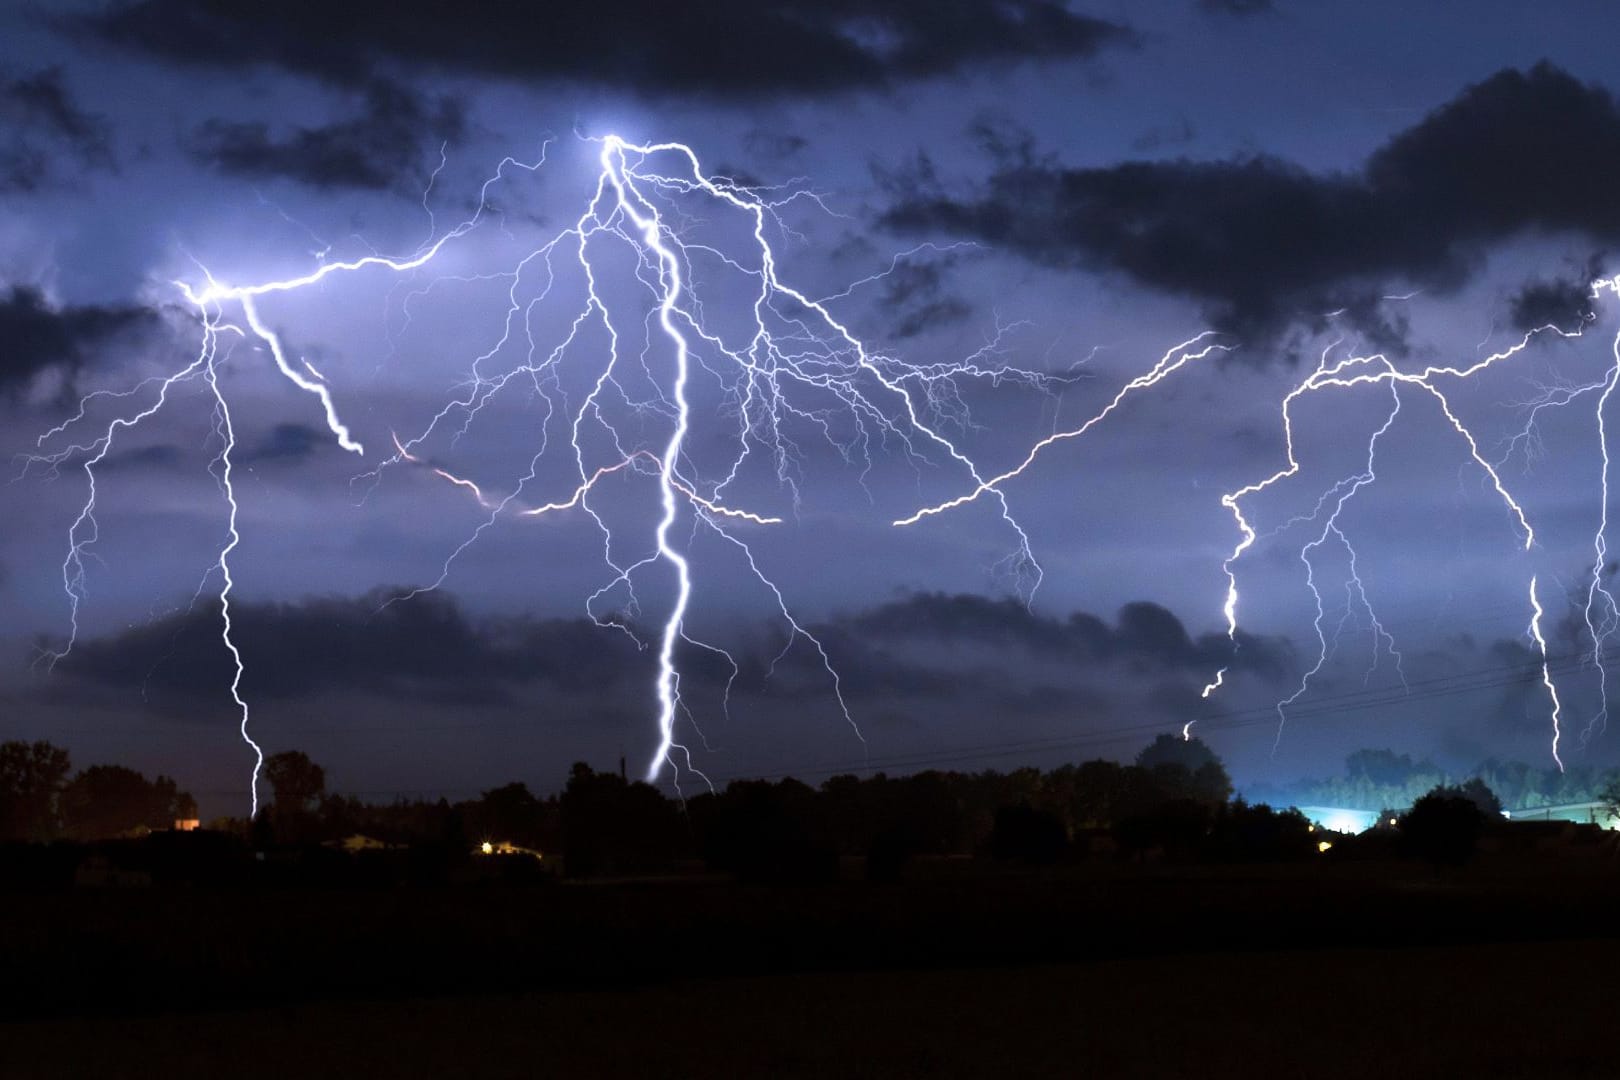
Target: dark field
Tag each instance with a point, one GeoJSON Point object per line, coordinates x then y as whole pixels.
{"type": "Point", "coordinates": [1468, 1011]}
{"type": "Point", "coordinates": [1504, 968]}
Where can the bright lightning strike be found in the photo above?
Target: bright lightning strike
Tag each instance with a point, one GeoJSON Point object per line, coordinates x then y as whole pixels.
{"type": "Point", "coordinates": [791, 369]}
{"type": "Point", "coordinates": [1546, 671]}
{"type": "Point", "coordinates": [1601, 610]}
{"type": "Point", "coordinates": [760, 384]}
{"type": "Point", "coordinates": [1365, 370]}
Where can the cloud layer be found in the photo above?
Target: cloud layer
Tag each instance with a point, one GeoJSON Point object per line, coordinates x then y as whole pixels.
{"type": "Point", "coordinates": [714, 50]}
{"type": "Point", "coordinates": [1261, 242]}
{"type": "Point", "coordinates": [428, 648]}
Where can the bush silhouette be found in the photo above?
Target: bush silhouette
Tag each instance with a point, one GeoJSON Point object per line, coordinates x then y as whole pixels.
{"type": "Point", "coordinates": [1444, 826]}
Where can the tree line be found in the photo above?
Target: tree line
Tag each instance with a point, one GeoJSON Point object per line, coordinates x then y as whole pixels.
{"type": "Point", "coordinates": [40, 801]}
{"type": "Point", "coordinates": [1379, 779]}
{"type": "Point", "coordinates": [604, 823]}
{"type": "Point", "coordinates": [1175, 799]}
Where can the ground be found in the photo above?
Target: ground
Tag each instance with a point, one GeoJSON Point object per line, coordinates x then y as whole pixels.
{"type": "Point", "coordinates": [1350, 971]}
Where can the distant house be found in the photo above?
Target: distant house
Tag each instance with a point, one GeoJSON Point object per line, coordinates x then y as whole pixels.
{"type": "Point", "coordinates": [1587, 813]}
{"type": "Point", "coordinates": [189, 824]}
{"type": "Point", "coordinates": [502, 847]}
{"type": "Point", "coordinates": [360, 842]}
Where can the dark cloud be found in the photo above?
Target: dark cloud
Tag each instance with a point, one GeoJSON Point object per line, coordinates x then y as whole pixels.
{"type": "Point", "coordinates": [914, 292]}
{"type": "Point", "coordinates": [932, 315]}
{"type": "Point", "coordinates": [714, 49]}
{"type": "Point", "coordinates": [1260, 241]}
{"type": "Point", "coordinates": [1159, 138]}
{"type": "Point", "coordinates": [429, 649]}
{"type": "Point", "coordinates": [1000, 136]}
{"type": "Point", "coordinates": [38, 120]}
{"type": "Point", "coordinates": [379, 148]}
{"type": "Point", "coordinates": [1144, 635]}
{"type": "Point", "coordinates": [1562, 302]}
{"type": "Point", "coordinates": [423, 649]}
{"type": "Point", "coordinates": [1238, 8]}
{"type": "Point", "coordinates": [773, 146]}
{"type": "Point", "coordinates": [35, 337]}
{"type": "Point", "coordinates": [286, 444]}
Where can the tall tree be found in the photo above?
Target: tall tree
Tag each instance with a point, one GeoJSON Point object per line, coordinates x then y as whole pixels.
{"type": "Point", "coordinates": [297, 782]}
{"type": "Point", "coordinates": [31, 779]}
{"type": "Point", "coordinates": [1186, 768]}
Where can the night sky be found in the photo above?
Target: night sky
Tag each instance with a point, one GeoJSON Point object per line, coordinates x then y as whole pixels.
{"type": "Point", "coordinates": [1069, 190]}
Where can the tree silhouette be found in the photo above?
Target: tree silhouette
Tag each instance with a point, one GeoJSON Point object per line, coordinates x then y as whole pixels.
{"type": "Point", "coordinates": [298, 783]}
{"type": "Point", "coordinates": [613, 826]}
{"type": "Point", "coordinates": [109, 800]}
{"type": "Point", "coordinates": [762, 831]}
{"type": "Point", "coordinates": [1477, 792]}
{"type": "Point", "coordinates": [1444, 826]}
{"type": "Point", "coordinates": [1245, 833]}
{"type": "Point", "coordinates": [31, 779]}
{"type": "Point", "coordinates": [1168, 756]}
{"type": "Point", "coordinates": [512, 813]}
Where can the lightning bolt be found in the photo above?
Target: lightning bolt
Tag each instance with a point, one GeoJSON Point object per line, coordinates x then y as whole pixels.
{"type": "Point", "coordinates": [1546, 671]}
{"type": "Point", "coordinates": [1339, 495]}
{"type": "Point", "coordinates": [1600, 630]}
{"type": "Point", "coordinates": [795, 367]}
{"type": "Point", "coordinates": [1195, 348]}
{"type": "Point", "coordinates": [228, 443]}
{"type": "Point", "coordinates": [791, 367]}
{"type": "Point", "coordinates": [1602, 612]}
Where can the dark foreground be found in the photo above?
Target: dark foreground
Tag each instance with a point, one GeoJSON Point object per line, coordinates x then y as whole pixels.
{"type": "Point", "coordinates": [1472, 1011]}
{"type": "Point", "coordinates": [1497, 970]}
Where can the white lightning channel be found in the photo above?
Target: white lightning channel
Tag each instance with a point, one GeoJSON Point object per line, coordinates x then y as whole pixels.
{"type": "Point", "coordinates": [797, 352]}
{"type": "Point", "coordinates": [1546, 671]}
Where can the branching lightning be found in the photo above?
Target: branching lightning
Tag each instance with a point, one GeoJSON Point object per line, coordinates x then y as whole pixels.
{"type": "Point", "coordinates": [793, 369]}
{"type": "Point", "coordinates": [1360, 371]}
{"type": "Point", "coordinates": [796, 369]}
{"type": "Point", "coordinates": [1601, 611]}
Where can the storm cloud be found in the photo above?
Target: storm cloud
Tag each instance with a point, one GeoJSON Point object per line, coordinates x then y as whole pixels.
{"type": "Point", "coordinates": [781, 47]}
{"type": "Point", "coordinates": [1565, 302]}
{"type": "Point", "coordinates": [425, 648]}
{"type": "Point", "coordinates": [1143, 635]}
{"type": "Point", "coordinates": [42, 123]}
{"type": "Point", "coordinates": [286, 444]}
{"type": "Point", "coordinates": [1260, 241]}
{"type": "Point", "coordinates": [429, 648]}
{"type": "Point", "coordinates": [378, 148]}
{"type": "Point", "coordinates": [36, 337]}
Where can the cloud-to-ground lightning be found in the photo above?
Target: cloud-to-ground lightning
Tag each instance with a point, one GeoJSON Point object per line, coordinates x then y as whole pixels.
{"type": "Point", "coordinates": [1601, 612]}
{"type": "Point", "coordinates": [1356, 371]}
{"type": "Point", "coordinates": [794, 368]}
{"type": "Point", "coordinates": [1546, 671]}
{"type": "Point", "coordinates": [668, 382]}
